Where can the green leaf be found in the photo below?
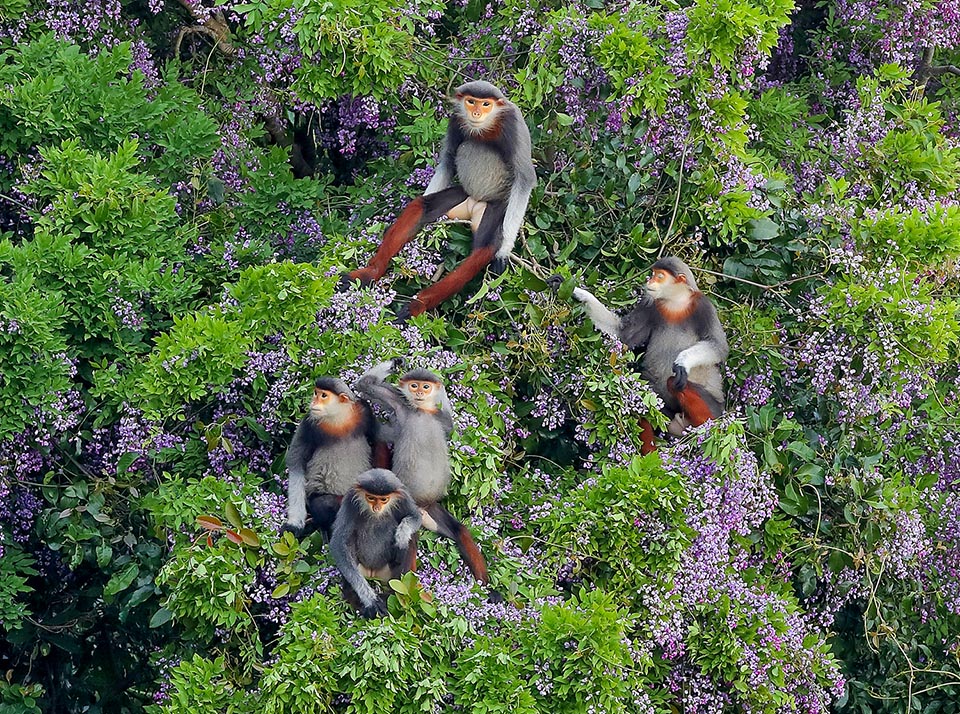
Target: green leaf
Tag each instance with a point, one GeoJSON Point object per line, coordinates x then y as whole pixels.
{"type": "Point", "coordinates": [121, 581]}
{"type": "Point", "coordinates": [233, 515]}
{"type": "Point", "coordinates": [161, 617]}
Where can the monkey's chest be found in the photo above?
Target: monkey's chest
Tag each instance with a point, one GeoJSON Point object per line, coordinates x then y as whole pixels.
{"type": "Point", "coordinates": [421, 459]}
{"type": "Point", "coordinates": [482, 172]}
{"type": "Point", "coordinates": [334, 469]}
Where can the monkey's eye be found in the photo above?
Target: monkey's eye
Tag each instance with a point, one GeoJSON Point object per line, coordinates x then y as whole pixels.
{"type": "Point", "coordinates": [486, 104]}
{"type": "Point", "coordinates": [426, 387]}
{"type": "Point", "coordinates": [413, 385]}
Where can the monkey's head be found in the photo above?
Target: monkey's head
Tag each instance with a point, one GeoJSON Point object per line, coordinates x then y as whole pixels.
{"type": "Point", "coordinates": [670, 279]}
{"type": "Point", "coordinates": [332, 400]}
{"type": "Point", "coordinates": [422, 388]}
{"type": "Point", "coordinates": [477, 104]}
{"type": "Point", "coordinates": [377, 490]}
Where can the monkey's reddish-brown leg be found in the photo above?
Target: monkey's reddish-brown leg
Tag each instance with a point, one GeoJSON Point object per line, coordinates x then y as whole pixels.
{"type": "Point", "coordinates": [453, 529]}
{"type": "Point", "coordinates": [415, 216]}
{"type": "Point", "coordinates": [382, 457]}
{"type": "Point", "coordinates": [397, 236]}
{"type": "Point", "coordinates": [647, 445]}
{"type": "Point", "coordinates": [694, 406]}
{"type": "Point", "coordinates": [410, 561]}
{"type": "Point", "coordinates": [453, 282]}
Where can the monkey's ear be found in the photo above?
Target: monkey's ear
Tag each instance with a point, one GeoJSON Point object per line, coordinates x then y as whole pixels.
{"type": "Point", "coordinates": [682, 278]}
{"type": "Point", "coordinates": [501, 102]}
{"type": "Point", "coordinates": [344, 398]}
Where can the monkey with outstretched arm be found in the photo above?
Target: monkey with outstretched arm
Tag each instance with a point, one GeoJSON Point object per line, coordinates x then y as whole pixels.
{"type": "Point", "coordinates": [422, 420]}
{"type": "Point", "coordinates": [372, 537]}
{"type": "Point", "coordinates": [684, 345]}
{"type": "Point", "coordinates": [487, 151]}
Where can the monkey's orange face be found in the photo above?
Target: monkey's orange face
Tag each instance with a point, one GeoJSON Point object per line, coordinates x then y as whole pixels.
{"type": "Point", "coordinates": [661, 283]}
{"type": "Point", "coordinates": [377, 503]}
{"type": "Point", "coordinates": [421, 394]}
{"type": "Point", "coordinates": [478, 111]}
{"type": "Point", "coordinates": [325, 402]}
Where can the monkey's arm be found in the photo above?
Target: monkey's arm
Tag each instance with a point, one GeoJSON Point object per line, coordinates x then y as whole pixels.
{"type": "Point", "coordinates": [410, 522]}
{"type": "Point", "coordinates": [712, 348]}
{"type": "Point", "coordinates": [443, 176]}
{"type": "Point", "coordinates": [524, 179]}
{"type": "Point", "coordinates": [372, 387]}
{"type": "Point", "coordinates": [346, 560]}
{"type": "Point", "coordinates": [445, 415]}
{"type": "Point", "coordinates": [298, 454]}
{"type": "Point", "coordinates": [603, 319]}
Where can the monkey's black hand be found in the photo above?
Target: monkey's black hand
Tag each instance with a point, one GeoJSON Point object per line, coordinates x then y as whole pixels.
{"type": "Point", "coordinates": [499, 265]}
{"type": "Point", "coordinates": [680, 377]}
{"type": "Point", "coordinates": [554, 282]}
{"type": "Point", "coordinates": [396, 363]}
{"type": "Point", "coordinates": [493, 596]}
{"type": "Point", "coordinates": [344, 283]}
{"type": "Point", "coordinates": [376, 609]}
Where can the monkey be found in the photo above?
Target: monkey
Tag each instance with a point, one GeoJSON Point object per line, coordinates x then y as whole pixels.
{"type": "Point", "coordinates": [333, 444]}
{"type": "Point", "coordinates": [487, 149]}
{"type": "Point", "coordinates": [422, 421]}
{"type": "Point", "coordinates": [372, 537]}
{"type": "Point", "coordinates": [683, 341]}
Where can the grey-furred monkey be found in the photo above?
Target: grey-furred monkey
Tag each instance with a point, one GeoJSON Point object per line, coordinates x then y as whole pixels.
{"type": "Point", "coordinates": [487, 150]}
{"type": "Point", "coordinates": [333, 444]}
{"type": "Point", "coordinates": [372, 537]}
{"type": "Point", "coordinates": [422, 420]}
{"type": "Point", "coordinates": [683, 342]}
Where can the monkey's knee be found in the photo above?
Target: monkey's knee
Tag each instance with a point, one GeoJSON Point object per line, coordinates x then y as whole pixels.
{"type": "Point", "coordinates": [678, 424]}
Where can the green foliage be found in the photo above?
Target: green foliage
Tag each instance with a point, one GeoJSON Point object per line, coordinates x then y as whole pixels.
{"type": "Point", "coordinates": [15, 568]}
{"type": "Point", "coordinates": [55, 92]}
{"type": "Point", "coordinates": [355, 47]}
{"type": "Point", "coordinates": [925, 236]}
{"type": "Point", "coordinates": [205, 585]}
{"type": "Point", "coordinates": [35, 368]}
{"type": "Point", "coordinates": [904, 317]}
{"type": "Point", "coordinates": [600, 517]}
{"type": "Point", "coordinates": [19, 699]}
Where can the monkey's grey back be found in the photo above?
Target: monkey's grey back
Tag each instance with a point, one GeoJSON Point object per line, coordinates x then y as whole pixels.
{"type": "Point", "coordinates": [421, 457]}
{"type": "Point", "coordinates": [334, 467]}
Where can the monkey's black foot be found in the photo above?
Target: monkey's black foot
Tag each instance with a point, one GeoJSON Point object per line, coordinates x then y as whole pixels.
{"type": "Point", "coordinates": [376, 609]}
{"type": "Point", "coordinates": [407, 311]}
{"type": "Point", "coordinates": [554, 282]}
{"type": "Point", "coordinates": [498, 265]}
{"type": "Point", "coordinates": [346, 282]}
{"type": "Point", "coordinates": [397, 363]}
{"type": "Point", "coordinates": [679, 379]}
{"type": "Point", "coordinates": [494, 596]}
{"type": "Point", "coordinates": [298, 531]}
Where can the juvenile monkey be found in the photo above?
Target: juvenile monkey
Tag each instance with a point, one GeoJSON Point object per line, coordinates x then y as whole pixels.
{"type": "Point", "coordinates": [372, 537]}
{"type": "Point", "coordinates": [683, 341]}
{"type": "Point", "coordinates": [422, 422]}
{"type": "Point", "coordinates": [332, 445]}
{"type": "Point", "coordinates": [487, 150]}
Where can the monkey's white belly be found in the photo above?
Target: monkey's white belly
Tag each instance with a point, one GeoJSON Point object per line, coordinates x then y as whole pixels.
{"type": "Point", "coordinates": [381, 574]}
{"type": "Point", "coordinates": [482, 172]}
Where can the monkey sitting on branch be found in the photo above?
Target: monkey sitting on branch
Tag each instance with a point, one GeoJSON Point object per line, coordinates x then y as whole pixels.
{"type": "Point", "coordinates": [487, 149]}
{"type": "Point", "coordinates": [684, 344]}
{"type": "Point", "coordinates": [374, 537]}
{"type": "Point", "coordinates": [422, 421]}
